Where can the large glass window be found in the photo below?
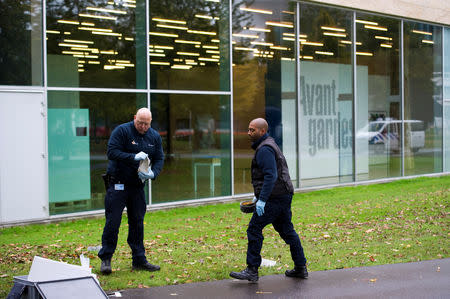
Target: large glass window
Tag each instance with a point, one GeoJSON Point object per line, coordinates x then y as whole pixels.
{"type": "Point", "coordinates": [189, 45]}
{"type": "Point", "coordinates": [195, 130]}
{"type": "Point", "coordinates": [96, 43]}
{"type": "Point", "coordinates": [21, 42]}
{"type": "Point", "coordinates": [263, 81]}
{"type": "Point", "coordinates": [79, 126]}
{"type": "Point", "coordinates": [446, 96]}
{"type": "Point", "coordinates": [423, 98]}
{"type": "Point", "coordinates": [326, 95]}
{"type": "Point", "coordinates": [378, 95]}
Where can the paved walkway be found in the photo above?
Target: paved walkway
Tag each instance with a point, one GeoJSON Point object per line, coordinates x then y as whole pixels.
{"type": "Point", "coordinates": [427, 279]}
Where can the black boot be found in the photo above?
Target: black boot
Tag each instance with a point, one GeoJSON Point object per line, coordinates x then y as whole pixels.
{"type": "Point", "coordinates": [298, 271]}
{"type": "Point", "coordinates": [250, 274]}
{"type": "Point", "coordinates": [146, 266]}
{"type": "Point", "coordinates": [105, 267]}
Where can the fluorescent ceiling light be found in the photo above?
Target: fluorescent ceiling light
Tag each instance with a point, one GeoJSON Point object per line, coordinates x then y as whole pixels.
{"type": "Point", "coordinates": [279, 48]}
{"type": "Point", "coordinates": [78, 41]}
{"type": "Point", "coordinates": [159, 63]}
{"type": "Point", "coordinates": [311, 43]}
{"type": "Point", "coordinates": [188, 53]}
{"type": "Point", "coordinates": [95, 29]}
{"type": "Point", "coordinates": [332, 28]}
{"type": "Point", "coordinates": [245, 49]}
{"type": "Point", "coordinates": [171, 27]}
{"type": "Point", "coordinates": [181, 66]}
{"type": "Point", "coordinates": [52, 31]}
{"type": "Point", "coordinates": [280, 24]}
{"type": "Point", "coordinates": [201, 32]}
{"type": "Point", "coordinates": [97, 17]}
{"type": "Point", "coordinates": [245, 35]}
{"type": "Point", "coordinates": [261, 43]}
{"type": "Point", "coordinates": [157, 54]}
{"type": "Point", "coordinates": [210, 47]}
{"type": "Point", "coordinates": [335, 34]}
{"type": "Point", "coordinates": [72, 45]}
{"type": "Point", "coordinates": [107, 33]}
{"type": "Point", "coordinates": [163, 34]}
{"type": "Point", "coordinates": [364, 53]}
{"type": "Point", "coordinates": [259, 29]}
{"type": "Point", "coordinates": [422, 32]}
{"type": "Point", "coordinates": [68, 22]}
{"type": "Point", "coordinates": [208, 59]}
{"type": "Point", "coordinates": [263, 11]}
{"type": "Point", "coordinates": [168, 21]}
{"type": "Point", "coordinates": [383, 37]}
{"type": "Point", "coordinates": [122, 12]}
{"type": "Point", "coordinates": [181, 41]}
{"type": "Point", "coordinates": [386, 45]}
{"type": "Point", "coordinates": [426, 41]}
{"type": "Point", "coordinates": [375, 27]}
{"type": "Point", "coordinates": [324, 53]}
{"type": "Point", "coordinates": [366, 22]}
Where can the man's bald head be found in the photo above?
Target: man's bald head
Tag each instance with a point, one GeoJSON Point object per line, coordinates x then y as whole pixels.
{"type": "Point", "coordinates": [257, 128]}
{"type": "Point", "coordinates": [142, 120]}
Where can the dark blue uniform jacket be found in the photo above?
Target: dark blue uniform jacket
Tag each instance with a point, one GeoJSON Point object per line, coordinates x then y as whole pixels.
{"type": "Point", "coordinates": [125, 142]}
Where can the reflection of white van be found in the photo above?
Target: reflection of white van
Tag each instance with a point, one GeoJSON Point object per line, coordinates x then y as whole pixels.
{"type": "Point", "coordinates": [387, 132]}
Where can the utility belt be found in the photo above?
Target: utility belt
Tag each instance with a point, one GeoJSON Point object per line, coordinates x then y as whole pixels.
{"type": "Point", "coordinates": [109, 180]}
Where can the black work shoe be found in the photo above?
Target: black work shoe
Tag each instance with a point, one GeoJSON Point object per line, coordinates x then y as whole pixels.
{"type": "Point", "coordinates": [146, 266]}
{"type": "Point", "coordinates": [105, 268]}
{"type": "Point", "coordinates": [249, 273]}
{"type": "Point", "coordinates": [298, 271]}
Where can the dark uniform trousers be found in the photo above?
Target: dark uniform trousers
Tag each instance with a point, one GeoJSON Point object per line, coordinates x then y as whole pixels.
{"type": "Point", "coordinates": [133, 198]}
{"type": "Point", "coordinates": [278, 212]}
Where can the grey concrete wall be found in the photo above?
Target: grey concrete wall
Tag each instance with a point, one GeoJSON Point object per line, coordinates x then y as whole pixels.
{"type": "Point", "coordinates": [436, 11]}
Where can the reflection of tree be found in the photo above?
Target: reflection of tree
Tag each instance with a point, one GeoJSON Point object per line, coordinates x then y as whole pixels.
{"type": "Point", "coordinates": [18, 18]}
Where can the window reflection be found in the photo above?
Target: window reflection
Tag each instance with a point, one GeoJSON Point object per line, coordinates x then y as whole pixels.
{"type": "Point", "coordinates": [21, 42]}
{"type": "Point", "coordinates": [326, 96]}
{"type": "Point", "coordinates": [96, 43]}
{"type": "Point", "coordinates": [195, 131]}
{"type": "Point", "coordinates": [378, 116]}
{"type": "Point", "coordinates": [423, 98]}
{"type": "Point", "coordinates": [189, 45]}
{"type": "Point", "coordinates": [79, 127]}
{"type": "Point", "coordinates": [263, 81]}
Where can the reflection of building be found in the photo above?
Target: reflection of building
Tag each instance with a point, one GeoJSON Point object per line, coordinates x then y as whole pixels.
{"type": "Point", "coordinates": [321, 73]}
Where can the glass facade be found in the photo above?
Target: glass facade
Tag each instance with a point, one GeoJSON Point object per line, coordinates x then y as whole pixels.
{"type": "Point", "coordinates": [446, 97]}
{"type": "Point", "coordinates": [378, 95]}
{"type": "Point", "coordinates": [263, 81]}
{"type": "Point", "coordinates": [79, 126]}
{"type": "Point", "coordinates": [96, 44]}
{"type": "Point", "coordinates": [349, 96]}
{"type": "Point", "coordinates": [326, 96]}
{"type": "Point", "coordinates": [195, 131]}
{"type": "Point", "coordinates": [21, 42]}
{"type": "Point", "coordinates": [423, 98]}
{"type": "Point", "coordinates": [189, 45]}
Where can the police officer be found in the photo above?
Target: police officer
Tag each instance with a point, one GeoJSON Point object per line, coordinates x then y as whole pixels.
{"type": "Point", "coordinates": [129, 144]}
{"type": "Point", "coordinates": [273, 196]}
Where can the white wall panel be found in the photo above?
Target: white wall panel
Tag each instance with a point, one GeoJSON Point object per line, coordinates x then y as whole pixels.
{"type": "Point", "coordinates": [23, 163]}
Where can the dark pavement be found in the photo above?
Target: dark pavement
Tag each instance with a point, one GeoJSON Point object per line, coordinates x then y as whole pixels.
{"type": "Point", "coordinates": [427, 279]}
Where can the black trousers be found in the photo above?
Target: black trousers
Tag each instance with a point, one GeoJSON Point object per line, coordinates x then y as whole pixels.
{"type": "Point", "coordinates": [278, 213]}
{"type": "Point", "coordinates": [115, 201]}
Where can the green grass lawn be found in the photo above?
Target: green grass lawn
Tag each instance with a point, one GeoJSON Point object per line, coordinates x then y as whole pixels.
{"type": "Point", "coordinates": [398, 222]}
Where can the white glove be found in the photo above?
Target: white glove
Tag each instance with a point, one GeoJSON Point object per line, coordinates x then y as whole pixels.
{"type": "Point", "coordinates": [140, 156]}
{"type": "Point", "coordinates": [146, 176]}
